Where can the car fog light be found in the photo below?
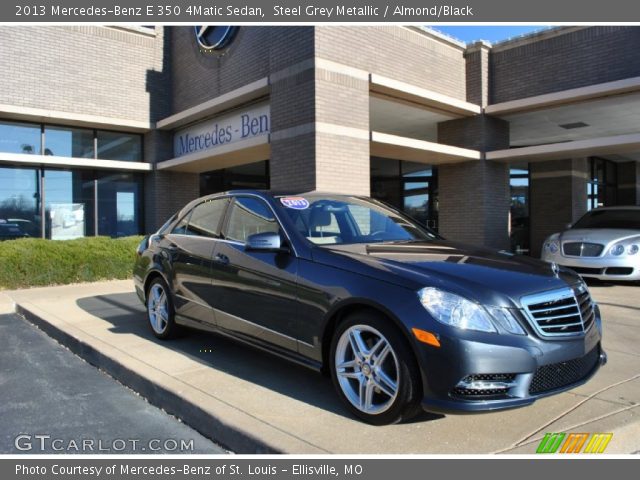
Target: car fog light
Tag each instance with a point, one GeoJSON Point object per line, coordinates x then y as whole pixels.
{"type": "Point", "coordinates": [617, 250]}
{"type": "Point", "coordinates": [485, 385]}
{"type": "Point", "coordinates": [633, 249]}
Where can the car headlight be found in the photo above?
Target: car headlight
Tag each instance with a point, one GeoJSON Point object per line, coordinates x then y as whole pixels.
{"type": "Point", "coordinates": [633, 249]}
{"type": "Point", "coordinates": [617, 249]}
{"type": "Point", "coordinates": [457, 311]}
{"type": "Point", "coordinates": [505, 321]}
{"type": "Point", "coordinates": [551, 246]}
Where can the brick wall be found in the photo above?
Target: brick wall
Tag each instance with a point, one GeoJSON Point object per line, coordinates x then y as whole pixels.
{"type": "Point", "coordinates": [254, 54]}
{"type": "Point", "coordinates": [558, 192]}
{"type": "Point", "coordinates": [84, 69]}
{"type": "Point", "coordinates": [477, 73]}
{"type": "Point", "coordinates": [573, 59]}
{"type": "Point", "coordinates": [165, 193]}
{"type": "Point", "coordinates": [482, 132]}
{"type": "Point", "coordinates": [396, 52]}
{"type": "Point", "coordinates": [474, 203]}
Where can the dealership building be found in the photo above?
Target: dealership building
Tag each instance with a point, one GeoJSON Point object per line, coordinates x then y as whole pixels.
{"type": "Point", "coordinates": [109, 130]}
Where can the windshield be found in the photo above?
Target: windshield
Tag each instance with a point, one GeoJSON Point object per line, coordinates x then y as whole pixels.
{"type": "Point", "coordinates": [620, 219]}
{"type": "Point", "coordinates": [343, 220]}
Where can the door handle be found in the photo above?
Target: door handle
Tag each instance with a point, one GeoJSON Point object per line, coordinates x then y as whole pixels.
{"type": "Point", "coordinates": [221, 258]}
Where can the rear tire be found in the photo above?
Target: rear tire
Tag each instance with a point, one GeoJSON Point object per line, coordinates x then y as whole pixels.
{"type": "Point", "coordinates": [373, 369]}
{"type": "Point", "coordinates": [160, 311]}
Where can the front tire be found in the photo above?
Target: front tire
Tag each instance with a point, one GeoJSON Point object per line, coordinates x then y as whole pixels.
{"type": "Point", "coordinates": [160, 311]}
{"type": "Point", "coordinates": [373, 369]}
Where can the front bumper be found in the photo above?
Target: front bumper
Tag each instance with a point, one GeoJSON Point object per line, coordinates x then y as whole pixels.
{"type": "Point", "coordinates": [534, 368]}
{"type": "Point", "coordinates": [626, 268]}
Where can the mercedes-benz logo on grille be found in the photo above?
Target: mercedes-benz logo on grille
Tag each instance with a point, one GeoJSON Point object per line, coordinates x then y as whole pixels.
{"type": "Point", "coordinates": [214, 38]}
{"type": "Point", "coordinates": [555, 269]}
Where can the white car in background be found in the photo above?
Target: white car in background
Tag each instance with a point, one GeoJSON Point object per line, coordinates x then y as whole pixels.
{"type": "Point", "coordinates": [603, 244]}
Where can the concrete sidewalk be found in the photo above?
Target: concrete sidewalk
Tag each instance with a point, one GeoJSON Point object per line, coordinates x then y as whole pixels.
{"type": "Point", "coordinates": [250, 401]}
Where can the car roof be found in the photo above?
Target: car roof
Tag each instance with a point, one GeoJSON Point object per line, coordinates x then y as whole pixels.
{"type": "Point", "coordinates": [273, 194]}
{"type": "Point", "coordinates": [262, 193]}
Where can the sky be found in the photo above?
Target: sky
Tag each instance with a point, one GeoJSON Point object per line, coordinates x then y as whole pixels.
{"type": "Point", "coordinates": [492, 34]}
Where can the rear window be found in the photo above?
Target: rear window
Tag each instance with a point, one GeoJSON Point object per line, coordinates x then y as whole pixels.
{"type": "Point", "coordinates": [618, 219]}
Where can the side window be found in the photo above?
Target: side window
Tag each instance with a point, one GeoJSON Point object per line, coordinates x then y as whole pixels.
{"type": "Point", "coordinates": [181, 226]}
{"type": "Point", "coordinates": [205, 218]}
{"type": "Point", "coordinates": [250, 215]}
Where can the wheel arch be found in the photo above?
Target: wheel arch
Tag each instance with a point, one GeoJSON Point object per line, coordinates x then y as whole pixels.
{"type": "Point", "coordinates": [152, 275]}
{"type": "Point", "coordinates": [342, 310]}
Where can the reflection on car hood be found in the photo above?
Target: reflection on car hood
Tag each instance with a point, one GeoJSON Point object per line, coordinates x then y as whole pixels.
{"type": "Point", "coordinates": [597, 235]}
{"type": "Point", "coordinates": [473, 268]}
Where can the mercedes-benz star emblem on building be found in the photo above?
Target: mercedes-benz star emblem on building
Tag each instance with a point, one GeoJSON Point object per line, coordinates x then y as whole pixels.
{"type": "Point", "coordinates": [214, 38]}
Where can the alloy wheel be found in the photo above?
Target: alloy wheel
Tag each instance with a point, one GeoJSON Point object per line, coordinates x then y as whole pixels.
{"type": "Point", "coordinates": [158, 308]}
{"type": "Point", "coordinates": [367, 369]}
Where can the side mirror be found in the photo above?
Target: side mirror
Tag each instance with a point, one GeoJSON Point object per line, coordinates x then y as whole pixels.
{"type": "Point", "coordinates": [265, 242]}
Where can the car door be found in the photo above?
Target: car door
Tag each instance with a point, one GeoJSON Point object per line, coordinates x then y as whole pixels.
{"type": "Point", "coordinates": [255, 291]}
{"type": "Point", "coordinates": [189, 249]}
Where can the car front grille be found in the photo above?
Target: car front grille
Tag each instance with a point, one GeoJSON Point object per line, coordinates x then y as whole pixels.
{"type": "Point", "coordinates": [619, 271]}
{"type": "Point", "coordinates": [562, 374]}
{"type": "Point", "coordinates": [568, 311]}
{"type": "Point", "coordinates": [586, 270]}
{"type": "Point", "coordinates": [582, 249]}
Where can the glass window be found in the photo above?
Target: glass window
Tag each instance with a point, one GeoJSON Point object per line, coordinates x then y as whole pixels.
{"type": "Point", "coordinates": [519, 228]}
{"type": "Point", "coordinates": [362, 217]}
{"type": "Point", "coordinates": [119, 146]}
{"type": "Point", "coordinates": [181, 227]}
{"type": "Point", "coordinates": [119, 212]}
{"type": "Point", "coordinates": [205, 218]}
{"type": "Point", "coordinates": [250, 215]}
{"type": "Point", "coordinates": [20, 200]}
{"type": "Point", "coordinates": [18, 137]}
{"type": "Point", "coordinates": [340, 220]}
{"type": "Point", "coordinates": [602, 185]}
{"type": "Point", "coordinates": [69, 201]}
{"type": "Point", "coordinates": [409, 186]}
{"type": "Point", "coordinates": [68, 142]}
{"type": "Point", "coordinates": [250, 175]}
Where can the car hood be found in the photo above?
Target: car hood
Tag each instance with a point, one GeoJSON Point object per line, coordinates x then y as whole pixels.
{"type": "Point", "coordinates": [597, 235]}
{"type": "Point", "coordinates": [484, 274]}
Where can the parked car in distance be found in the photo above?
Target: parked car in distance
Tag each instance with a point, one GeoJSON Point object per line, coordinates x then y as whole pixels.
{"type": "Point", "coordinates": [401, 318]}
{"type": "Point", "coordinates": [603, 244]}
{"type": "Point", "coordinates": [11, 231]}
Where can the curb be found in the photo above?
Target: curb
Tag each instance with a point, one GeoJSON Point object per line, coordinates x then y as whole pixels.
{"type": "Point", "coordinates": [7, 305]}
{"type": "Point", "coordinates": [212, 427]}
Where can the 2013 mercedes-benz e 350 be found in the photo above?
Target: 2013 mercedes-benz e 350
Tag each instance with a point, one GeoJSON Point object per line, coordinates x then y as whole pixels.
{"type": "Point", "coordinates": [401, 318]}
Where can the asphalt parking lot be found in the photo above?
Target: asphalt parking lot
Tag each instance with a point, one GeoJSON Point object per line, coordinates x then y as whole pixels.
{"type": "Point", "coordinates": [251, 401]}
{"type": "Point", "coordinates": [57, 403]}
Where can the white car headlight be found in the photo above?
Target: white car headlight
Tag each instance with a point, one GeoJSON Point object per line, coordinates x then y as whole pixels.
{"type": "Point", "coordinates": [505, 320]}
{"type": "Point", "coordinates": [633, 249]}
{"type": "Point", "coordinates": [617, 249]}
{"type": "Point", "coordinates": [454, 310]}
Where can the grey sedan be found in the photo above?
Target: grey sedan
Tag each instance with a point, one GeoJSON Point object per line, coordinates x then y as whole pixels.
{"type": "Point", "coordinates": [603, 244]}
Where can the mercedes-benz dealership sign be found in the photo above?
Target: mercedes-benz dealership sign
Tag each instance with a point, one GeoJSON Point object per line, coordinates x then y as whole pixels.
{"type": "Point", "coordinates": [215, 37]}
{"type": "Point", "coordinates": [229, 128]}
